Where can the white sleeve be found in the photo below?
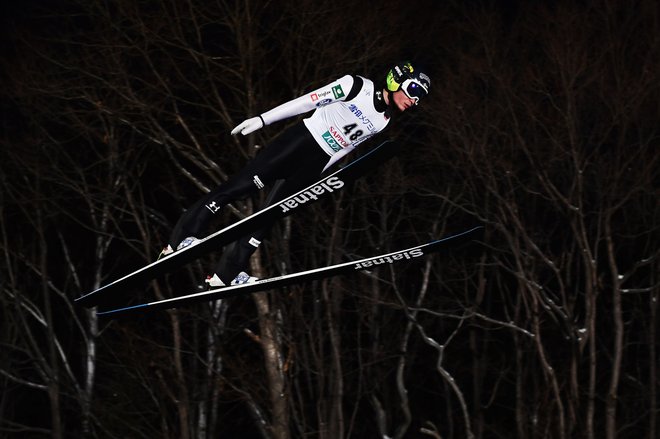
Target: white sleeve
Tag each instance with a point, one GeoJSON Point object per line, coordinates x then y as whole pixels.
{"type": "Point", "coordinates": [335, 91]}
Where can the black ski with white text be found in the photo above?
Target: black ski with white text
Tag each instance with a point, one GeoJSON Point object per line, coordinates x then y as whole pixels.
{"type": "Point", "coordinates": [320, 190]}
{"type": "Point", "coordinates": [296, 278]}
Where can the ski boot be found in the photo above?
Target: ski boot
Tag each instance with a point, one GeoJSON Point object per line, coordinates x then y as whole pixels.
{"type": "Point", "coordinates": [214, 281]}
{"type": "Point", "coordinates": [168, 250]}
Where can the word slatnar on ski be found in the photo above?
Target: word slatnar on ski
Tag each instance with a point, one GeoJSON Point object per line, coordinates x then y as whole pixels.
{"type": "Point", "coordinates": [330, 184]}
{"type": "Point", "coordinates": [303, 276]}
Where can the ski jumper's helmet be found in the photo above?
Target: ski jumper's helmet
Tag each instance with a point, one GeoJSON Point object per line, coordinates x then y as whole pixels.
{"type": "Point", "coordinates": [412, 81]}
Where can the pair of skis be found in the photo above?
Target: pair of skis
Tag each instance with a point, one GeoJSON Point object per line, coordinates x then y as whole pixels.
{"type": "Point", "coordinates": [105, 297]}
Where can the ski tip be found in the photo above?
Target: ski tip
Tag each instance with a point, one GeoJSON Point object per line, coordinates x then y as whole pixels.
{"type": "Point", "coordinates": [470, 235]}
{"type": "Point", "coordinates": [475, 232]}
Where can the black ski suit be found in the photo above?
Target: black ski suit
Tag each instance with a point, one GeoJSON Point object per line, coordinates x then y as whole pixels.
{"type": "Point", "coordinates": [293, 160]}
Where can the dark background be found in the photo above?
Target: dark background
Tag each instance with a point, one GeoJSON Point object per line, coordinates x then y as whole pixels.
{"type": "Point", "coordinates": [542, 125]}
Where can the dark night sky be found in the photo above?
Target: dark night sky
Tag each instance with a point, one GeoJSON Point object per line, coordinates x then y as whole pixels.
{"type": "Point", "coordinates": [528, 130]}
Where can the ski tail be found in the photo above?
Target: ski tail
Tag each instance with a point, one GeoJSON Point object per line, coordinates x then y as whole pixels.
{"type": "Point", "coordinates": [408, 254]}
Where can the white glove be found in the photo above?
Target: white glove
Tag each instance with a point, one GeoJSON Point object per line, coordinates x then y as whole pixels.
{"type": "Point", "coordinates": [248, 126]}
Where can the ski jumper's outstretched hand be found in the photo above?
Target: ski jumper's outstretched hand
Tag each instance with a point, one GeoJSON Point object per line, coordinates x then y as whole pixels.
{"type": "Point", "coordinates": [248, 126]}
{"type": "Point", "coordinates": [303, 104]}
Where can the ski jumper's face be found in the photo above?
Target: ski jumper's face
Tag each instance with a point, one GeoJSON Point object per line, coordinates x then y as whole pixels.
{"type": "Point", "coordinates": [402, 101]}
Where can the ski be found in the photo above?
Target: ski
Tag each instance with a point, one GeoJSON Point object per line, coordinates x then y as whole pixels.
{"type": "Point", "coordinates": [408, 254]}
{"type": "Point", "coordinates": [322, 189]}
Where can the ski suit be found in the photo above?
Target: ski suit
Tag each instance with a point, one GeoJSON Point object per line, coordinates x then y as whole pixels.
{"type": "Point", "coordinates": [347, 112]}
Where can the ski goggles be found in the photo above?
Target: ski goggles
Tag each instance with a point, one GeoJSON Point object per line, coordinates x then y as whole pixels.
{"type": "Point", "coordinates": [414, 89]}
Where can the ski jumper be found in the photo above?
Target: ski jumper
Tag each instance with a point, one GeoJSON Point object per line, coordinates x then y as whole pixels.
{"type": "Point", "coordinates": [347, 112]}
